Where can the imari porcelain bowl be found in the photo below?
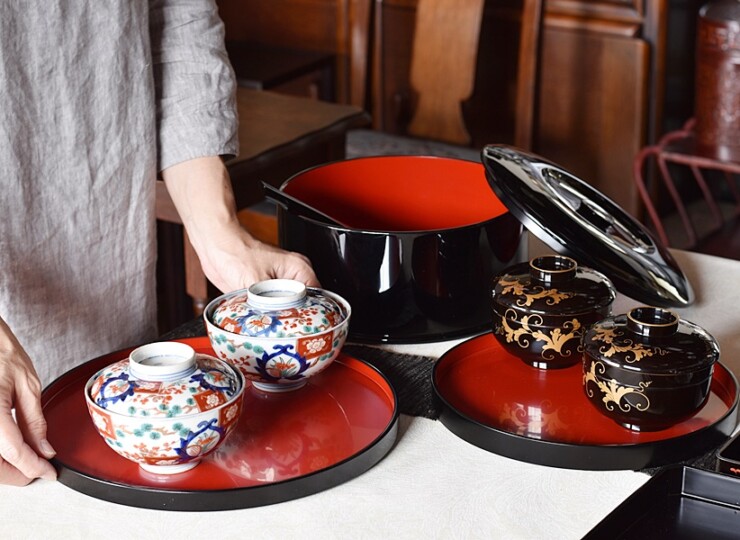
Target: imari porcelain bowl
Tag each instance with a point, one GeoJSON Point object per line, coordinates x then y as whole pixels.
{"type": "Point", "coordinates": [278, 332]}
{"type": "Point", "coordinates": [541, 309]}
{"type": "Point", "coordinates": [165, 407]}
{"type": "Point", "coordinates": [648, 370]}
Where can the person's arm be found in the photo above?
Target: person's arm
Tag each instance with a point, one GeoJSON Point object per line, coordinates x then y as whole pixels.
{"type": "Point", "coordinates": [196, 123]}
{"type": "Point", "coordinates": [231, 257]}
{"type": "Point", "coordinates": [24, 449]}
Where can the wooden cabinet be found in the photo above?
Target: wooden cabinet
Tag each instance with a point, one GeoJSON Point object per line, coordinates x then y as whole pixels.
{"type": "Point", "coordinates": [316, 25]}
{"type": "Point", "coordinates": [593, 106]}
{"type": "Point", "coordinates": [600, 89]}
{"type": "Point", "coordinates": [603, 72]}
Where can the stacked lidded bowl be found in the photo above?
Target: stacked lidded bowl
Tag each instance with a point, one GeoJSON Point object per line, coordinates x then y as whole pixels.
{"type": "Point", "coordinates": [278, 332]}
{"type": "Point", "coordinates": [541, 309]}
{"type": "Point", "coordinates": [165, 407]}
{"type": "Point", "coordinates": [649, 369]}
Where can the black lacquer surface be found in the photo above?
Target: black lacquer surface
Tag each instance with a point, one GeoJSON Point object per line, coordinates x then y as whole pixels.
{"type": "Point", "coordinates": [728, 457]}
{"type": "Point", "coordinates": [648, 369]}
{"type": "Point", "coordinates": [577, 220]}
{"type": "Point", "coordinates": [679, 503]}
{"type": "Point", "coordinates": [541, 309]}
{"type": "Point", "coordinates": [493, 400]}
{"type": "Point", "coordinates": [422, 238]}
{"type": "Point", "coordinates": [408, 287]}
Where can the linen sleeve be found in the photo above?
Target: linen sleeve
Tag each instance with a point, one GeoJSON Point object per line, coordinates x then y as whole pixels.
{"type": "Point", "coordinates": [195, 87]}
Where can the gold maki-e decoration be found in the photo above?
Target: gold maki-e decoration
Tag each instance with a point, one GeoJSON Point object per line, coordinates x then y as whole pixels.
{"type": "Point", "coordinates": [615, 393]}
{"type": "Point", "coordinates": [554, 341]}
{"type": "Point", "coordinates": [517, 288]}
{"type": "Point", "coordinates": [634, 352]}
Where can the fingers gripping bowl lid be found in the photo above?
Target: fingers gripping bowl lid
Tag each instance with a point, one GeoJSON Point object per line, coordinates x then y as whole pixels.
{"type": "Point", "coordinates": [278, 332]}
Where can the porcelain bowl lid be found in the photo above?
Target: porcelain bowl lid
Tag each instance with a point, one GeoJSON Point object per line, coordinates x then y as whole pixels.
{"type": "Point", "coordinates": [164, 380]}
{"type": "Point", "coordinates": [278, 308]}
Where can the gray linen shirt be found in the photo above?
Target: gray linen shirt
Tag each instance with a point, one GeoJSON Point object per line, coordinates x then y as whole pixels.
{"type": "Point", "coordinates": [95, 98]}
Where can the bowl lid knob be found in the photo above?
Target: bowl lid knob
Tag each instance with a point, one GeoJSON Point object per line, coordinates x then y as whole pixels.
{"type": "Point", "coordinates": [165, 361]}
{"type": "Point", "coordinates": [652, 321]}
{"type": "Point", "coordinates": [650, 340]}
{"type": "Point", "coordinates": [274, 294]}
{"type": "Point", "coordinates": [553, 269]}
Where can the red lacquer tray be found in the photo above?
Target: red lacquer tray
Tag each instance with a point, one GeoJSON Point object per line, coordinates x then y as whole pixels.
{"type": "Point", "coordinates": [497, 402]}
{"type": "Point", "coordinates": [285, 446]}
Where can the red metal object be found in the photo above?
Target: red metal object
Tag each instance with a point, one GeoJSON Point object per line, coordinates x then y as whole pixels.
{"type": "Point", "coordinates": [678, 148]}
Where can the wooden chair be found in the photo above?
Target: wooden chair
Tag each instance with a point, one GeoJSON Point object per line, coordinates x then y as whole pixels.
{"type": "Point", "coordinates": [279, 135]}
{"type": "Point", "coordinates": [696, 221]}
{"type": "Point", "coordinates": [442, 76]}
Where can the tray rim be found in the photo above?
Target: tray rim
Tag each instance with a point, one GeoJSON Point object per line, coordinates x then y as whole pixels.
{"type": "Point", "coordinates": [628, 456]}
{"type": "Point", "coordinates": [235, 498]}
{"type": "Point", "coordinates": [676, 480]}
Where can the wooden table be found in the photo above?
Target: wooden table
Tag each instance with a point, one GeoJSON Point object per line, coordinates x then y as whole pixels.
{"type": "Point", "coordinates": [279, 136]}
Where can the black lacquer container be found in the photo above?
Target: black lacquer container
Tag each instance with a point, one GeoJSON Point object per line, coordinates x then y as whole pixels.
{"type": "Point", "coordinates": [728, 456]}
{"type": "Point", "coordinates": [423, 237]}
{"type": "Point", "coordinates": [541, 309]}
{"type": "Point", "coordinates": [648, 369]}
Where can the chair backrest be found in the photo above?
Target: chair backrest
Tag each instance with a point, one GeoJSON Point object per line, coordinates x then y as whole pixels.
{"type": "Point", "coordinates": [443, 65]}
{"type": "Point", "coordinates": [443, 61]}
{"type": "Point", "coordinates": [695, 220]}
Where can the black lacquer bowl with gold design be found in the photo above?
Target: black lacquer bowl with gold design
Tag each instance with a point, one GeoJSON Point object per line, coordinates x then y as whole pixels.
{"type": "Point", "coordinates": [541, 309]}
{"type": "Point", "coordinates": [649, 369]}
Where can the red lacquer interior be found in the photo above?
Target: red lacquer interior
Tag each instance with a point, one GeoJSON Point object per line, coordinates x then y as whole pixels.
{"type": "Point", "coordinates": [399, 193]}
{"type": "Point", "coordinates": [485, 383]}
{"type": "Point", "coordinates": [279, 437]}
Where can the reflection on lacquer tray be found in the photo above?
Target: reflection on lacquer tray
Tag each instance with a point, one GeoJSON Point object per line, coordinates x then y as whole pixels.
{"type": "Point", "coordinates": [544, 420]}
{"type": "Point", "coordinates": [493, 388]}
{"type": "Point", "coordinates": [284, 435]}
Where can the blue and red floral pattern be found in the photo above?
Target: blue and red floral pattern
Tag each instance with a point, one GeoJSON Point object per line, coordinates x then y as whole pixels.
{"type": "Point", "coordinates": [212, 384]}
{"type": "Point", "coordinates": [318, 314]}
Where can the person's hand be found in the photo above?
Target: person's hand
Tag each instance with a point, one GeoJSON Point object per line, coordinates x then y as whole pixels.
{"type": "Point", "coordinates": [24, 449]}
{"type": "Point", "coordinates": [238, 260]}
{"type": "Point", "coordinates": [231, 258]}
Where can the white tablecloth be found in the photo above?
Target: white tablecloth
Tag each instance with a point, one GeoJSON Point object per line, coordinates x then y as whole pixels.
{"type": "Point", "coordinates": [431, 485]}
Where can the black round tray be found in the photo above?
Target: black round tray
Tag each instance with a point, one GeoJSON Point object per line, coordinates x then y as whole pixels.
{"type": "Point", "coordinates": [347, 418]}
{"type": "Point", "coordinates": [497, 402]}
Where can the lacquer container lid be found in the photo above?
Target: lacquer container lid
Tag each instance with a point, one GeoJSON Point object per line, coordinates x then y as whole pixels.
{"type": "Point", "coordinates": [552, 286]}
{"type": "Point", "coordinates": [575, 219]}
{"type": "Point", "coordinates": [279, 308]}
{"type": "Point", "coordinates": [164, 380]}
{"type": "Point", "coordinates": [652, 341]}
